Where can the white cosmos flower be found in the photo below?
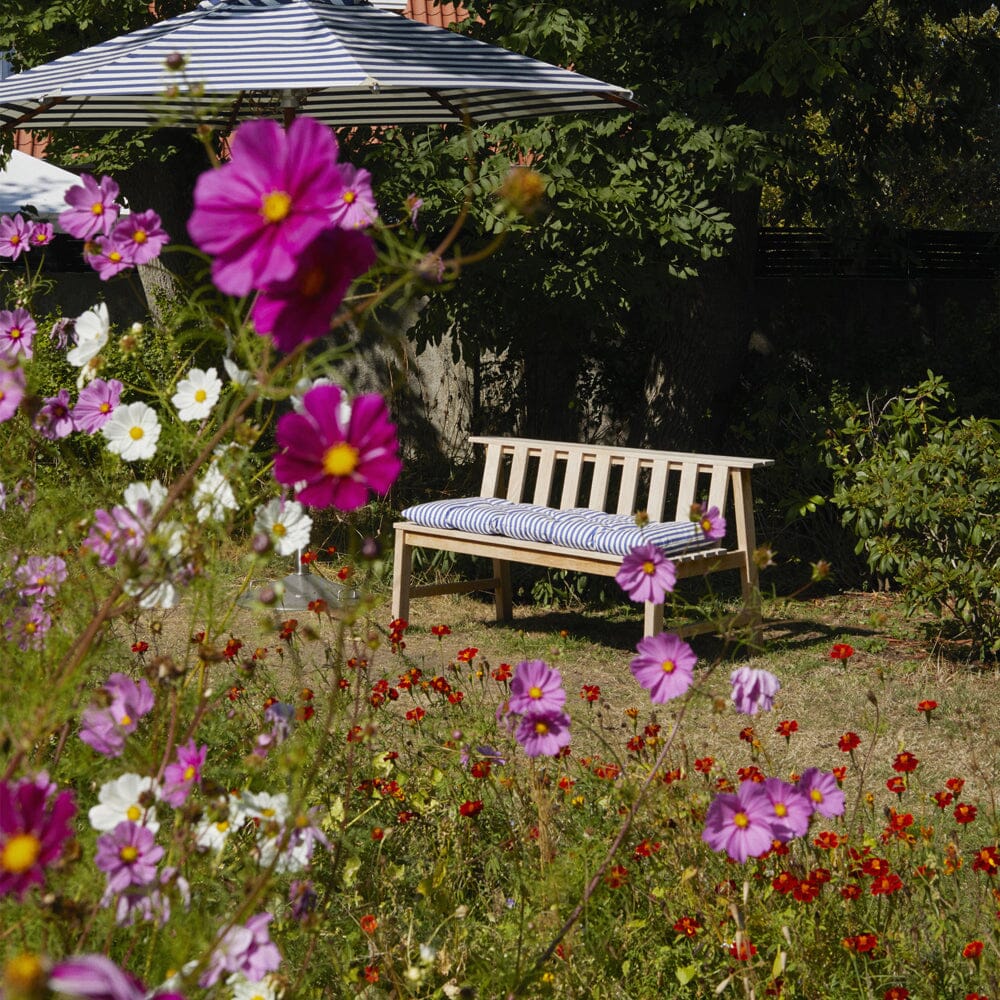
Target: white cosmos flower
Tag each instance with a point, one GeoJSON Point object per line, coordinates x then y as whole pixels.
{"type": "Point", "coordinates": [267, 989]}
{"type": "Point", "coordinates": [118, 801]}
{"type": "Point", "coordinates": [159, 595]}
{"type": "Point", "coordinates": [91, 335]}
{"type": "Point", "coordinates": [264, 806]}
{"type": "Point", "coordinates": [285, 523]}
{"type": "Point", "coordinates": [145, 499]}
{"type": "Point", "coordinates": [236, 374]}
{"type": "Point", "coordinates": [305, 384]}
{"type": "Point", "coordinates": [213, 496]}
{"type": "Point", "coordinates": [211, 836]}
{"type": "Point", "coordinates": [132, 431]}
{"type": "Point", "coordinates": [197, 394]}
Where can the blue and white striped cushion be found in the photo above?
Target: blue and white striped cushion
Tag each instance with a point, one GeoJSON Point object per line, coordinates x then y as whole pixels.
{"type": "Point", "coordinates": [577, 528]}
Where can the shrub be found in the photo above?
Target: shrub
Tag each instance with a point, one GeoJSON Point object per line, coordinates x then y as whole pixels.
{"type": "Point", "coordinates": [921, 489]}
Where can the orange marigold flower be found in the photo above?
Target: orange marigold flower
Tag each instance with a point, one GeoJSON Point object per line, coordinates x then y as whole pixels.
{"type": "Point", "coordinates": [468, 654]}
{"type": "Point", "coordinates": [826, 840]}
{"type": "Point", "coordinates": [369, 923]}
{"type": "Point", "coordinates": [987, 860]}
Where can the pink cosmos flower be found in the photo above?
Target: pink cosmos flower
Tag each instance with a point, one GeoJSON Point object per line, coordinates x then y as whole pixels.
{"type": "Point", "coordinates": [28, 626]}
{"type": "Point", "coordinates": [183, 774]}
{"type": "Point", "coordinates": [355, 207]}
{"type": "Point", "coordinates": [300, 308]}
{"type": "Point", "coordinates": [15, 236]}
{"type": "Point", "coordinates": [791, 809]}
{"type": "Point", "coordinates": [753, 690]}
{"type": "Point", "coordinates": [740, 824]}
{"type": "Point", "coordinates": [107, 256]}
{"type": "Point", "coordinates": [11, 390]}
{"type": "Point", "coordinates": [256, 213]}
{"type": "Point", "coordinates": [95, 405]}
{"type": "Point", "coordinates": [105, 729]}
{"type": "Point", "coordinates": [711, 522]}
{"type": "Point", "coordinates": [128, 855]}
{"type": "Point", "coordinates": [40, 576]}
{"type": "Point", "coordinates": [247, 949]}
{"type": "Point", "coordinates": [118, 533]}
{"type": "Point", "coordinates": [140, 237]}
{"type": "Point", "coordinates": [17, 330]}
{"type": "Point", "coordinates": [35, 823]}
{"type": "Point", "coordinates": [822, 791]}
{"type": "Point", "coordinates": [96, 977]}
{"type": "Point", "coordinates": [340, 458]}
{"type": "Point", "coordinates": [41, 234]}
{"type": "Point", "coordinates": [54, 420]}
{"type": "Point", "coordinates": [543, 733]}
{"type": "Point", "coordinates": [93, 208]}
{"type": "Point", "coordinates": [664, 666]}
{"type": "Point", "coordinates": [536, 687]}
{"type": "Point", "coordinates": [646, 574]}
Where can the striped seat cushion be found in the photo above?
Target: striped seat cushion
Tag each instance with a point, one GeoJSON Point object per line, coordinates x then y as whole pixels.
{"type": "Point", "coordinates": [577, 528]}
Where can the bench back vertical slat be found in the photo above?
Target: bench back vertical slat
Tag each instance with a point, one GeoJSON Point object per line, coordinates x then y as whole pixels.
{"type": "Point", "coordinates": [518, 469]}
{"type": "Point", "coordinates": [718, 491]}
{"type": "Point", "coordinates": [657, 501]}
{"type": "Point", "coordinates": [629, 484]}
{"type": "Point", "coordinates": [686, 490]}
{"type": "Point", "coordinates": [543, 484]}
{"type": "Point", "coordinates": [599, 484]}
{"type": "Point", "coordinates": [491, 471]}
{"type": "Point", "coordinates": [571, 481]}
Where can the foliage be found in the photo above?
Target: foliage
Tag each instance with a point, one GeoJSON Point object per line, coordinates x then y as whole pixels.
{"type": "Point", "coordinates": [921, 489]}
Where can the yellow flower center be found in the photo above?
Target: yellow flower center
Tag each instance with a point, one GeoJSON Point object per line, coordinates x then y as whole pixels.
{"type": "Point", "coordinates": [30, 628]}
{"type": "Point", "coordinates": [15, 333]}
{"type": "Point", "coordinates": [222, 826]}
{"type": "Point", "coordinates": [20, 853]}
{"type": "Point", "coordinates": [128, 854]}
{"type": "Point", "coordinates": [541, 727]}
{"type": "Point", "coordinates": [189, 772]}
{"type": "Point", "coordinates": [741, 820]}
{"type": "Point", "coordinates": [312, 282]}
{"type": "Point", "coordinates": [14, 240]}
{"type": "Point", "coordinates": [340, 460]}
{"type": "Point", "coordinates": [279, 529]}
{"type": "Point", "coordinates": [200, 395]}
{"type": "Point", "coordinates": [350, 197]}
{"type": "Point", "coordinates": [133, 813]}
{"type": "Point", "coordinates": [140, 236]}
{"type": "Point", "coordinates": [267, 812]}
{"type": "Point", "coordinates": [648, 568]}
{"type": "Point", "coordinates": [135, 433]}
{"type": "Point", "coordinates": [276, 206]}
{"type": "Point", "coordinates": [534, 692]}
{"type": "Point", "coordinates": [114, 256]}
{"type": "Point", "coordinates": [780, 809]}
{"type": "Point", "coordinates": [24, 975]}
{"type": "Point", "coordinates": [105, 407]}
{"type": "Point", "coordinates": [97, 208]}
{"type": "Point", "coordinates": [668, 666]}
{"type": "Point", "coordinates": [125, 720]}
{"type": "Point", "coordinates": [816, 795]}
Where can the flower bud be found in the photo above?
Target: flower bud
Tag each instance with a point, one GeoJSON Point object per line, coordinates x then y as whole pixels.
{"type": "Point", "coordinates": [175, 62]}
{"type": "Point", "coordinates": [524, 190]}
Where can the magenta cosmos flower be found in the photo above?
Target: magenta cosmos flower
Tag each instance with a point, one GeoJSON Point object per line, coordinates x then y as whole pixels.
{"type": "Point", "coordinates": [15, 236]}
{"type": "Point", "coordinates": [54, 420]}
{"type": "Point", "coordinates": [140, 237]}
{"type": "Point", "coordinates": [183, 774]}
{"type": "Point", "coordinates": [105, 729]}
{"type": "Point", "coordinates": [740, 824]}
{"type": "Point", "coordinates": [711, 522]}
{"type": "Point", "coordinates": [106, 256]}
{"type": "Point", "coordinates": [543, 733]}
{"type": "Point", "coordinates": [12, 384]}
{"type": "Point", "coordinates": [41, 234]}
{"type": "Point", "coordinates": [255, 214]}
{"type": "Point", "coordinates": [646, 574]}
{"type": "Point", "coordinates": [299, 309]}
{"type": "Point", "coordinates": [355, 207]}
{"type": "Point", "coordinates": [35, 823]}
{"type": "Point", "coordinates": [753, 690]}
{"type": "Point", "coordinates": [96, 977]}
{"type": "Point", "coordinates": [128, 855]}
{"type": "Point", "coordinates": [791, 809]}
{"type": "Point", "coordinates": [246, 949]}
{"type": "Point", "coordinates": [339, 457]}
{"type": "Point", "coordinates": [97, 402]}
{"type": "Point", "coordinates": [93, 208]}
{"type": "Point", "coordinates": [536, 687]}
{"type": "Point", "coordinates": [17, 330]}
{"type": "Point", "coordinates": [822, 791]}
{"type": "Point", "coordinates": [664, 666]}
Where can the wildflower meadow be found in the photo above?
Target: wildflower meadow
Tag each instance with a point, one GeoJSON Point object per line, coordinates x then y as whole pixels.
{"type": "Point", "coordinates": [204, 796]}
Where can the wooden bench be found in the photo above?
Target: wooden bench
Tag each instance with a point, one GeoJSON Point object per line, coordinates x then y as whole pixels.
{"type": "Point", "coordinates": [601, 478]}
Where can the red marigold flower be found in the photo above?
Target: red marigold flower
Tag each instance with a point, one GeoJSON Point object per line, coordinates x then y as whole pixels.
{"type": "Point", "coordinates": [885, 885]}
{"type": "Point", "coordinates": [987, 860]}
{"type": "Point", "coordinates": [646, 848]}
{"type": "Point", "coordinates": [786, 727]}
{"type": "Point", "coordinates": [850, 891]}
{"type": "Point", "coordinates": [875, 867]}
{"type": "Point", "coordinates": [309, 557]}
{"type": "Point", "coordinates": [927, 706]}
{"type": "Point", "coordinates": [897, 785]}
{"type": "Point", "coordinates": [819, 876]}
{"type": "Point", "coordinates": [742, 950]}
{"type": "Point", "coordinates": [502, 673]}
{"type": "Point", "coordinates": [233, 646]}
{"type": "Point", "coordinates": [440, 631]}
{"type": "Point", "coordinates": [471, 808]}
{"type": "Point", "coordinates": [955, 785]}
{"type": "Point", "coordinates": [973, 950]}
{"type": "Point", "coordinates": [839, 773]}
{"type": "Point", "coordinates": [898, 822]}
{"type": "Point", "coordinates": [896, 993]}
{"type": "Point", "coordinates": [943, 799]}
{"type": "Point", "coordinates": [304, 713]}
{"type": "Point", "coordinates": [371, 973]}
{"type": "Point", "coordinates": [703, 765]}
{"type": "Point", "coordinates": [826, 840]}
{"type": "Point", "coordinates": [616, 877]}
{"type": "Point", "coordinates": [590, 692]}
{"type": "Point", "coordinates": [805, 891]}
{"type": "Point", "coordinates": [751, 773]}
{"type": "Point", "coordinates": [377, 833]}
{"type": "Point", "coordinates": [848, 742]}
{"type": "Point", "coordinates": [405, 816]}
{"type": "Point", "coordinates": [784, 882]}
{"type": "Point", "coordinates": [415, 714]}
{"type": "Point", "coordinates": [608, 772]}
{"type": "Point", "coordinates": [455, 697]}
{"type": "Point", "coordinates": [468, 654]}
{"type": "Point", "coordinates": [861, 943]}
{"type": "Point", "coordinates": [140, 646]}
{"type": "Point", "coordinates": [905, 763]}
{"type": "Point", "coordinates": [964, 813]}
{"type": "Point", "coordinates": [688, 926]}
{"type": "Point", "coordinates": [747, 734]}
{"type": "Point", "coordinates": [976, 996]}
{"type": "Point", "coordinates": [636, 744]}
{"type": "Point", "coordinates": [235, 691]}
{"type": "Point", "coordinates": [343, 573]}
{"type": "Point", "coordinates": [318, 606]}
{"type": "Point", "coordinates": [369, 923]}
{"type": "Point", "coordinates": [841, 651]}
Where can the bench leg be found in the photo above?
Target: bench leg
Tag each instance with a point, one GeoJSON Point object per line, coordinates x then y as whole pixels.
{"type": "Point", "coordinates": [652, 619]}
{"type": "Point", "coordinates": [502, 594]}
{"type": "Point", "coordinates": [402, 570]}
{"type": "Point", "coordinates": [750, 585]}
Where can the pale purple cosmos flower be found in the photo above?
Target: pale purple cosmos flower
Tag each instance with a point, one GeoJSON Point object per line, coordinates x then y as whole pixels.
{"type": "Point", "coordinates": [40, 576]}
{"type": "Point", "coordinates": [60, 332]}
{"type": "Point", "coordinates": [543, 733]}
{"type": "Point", "coordinates": [711, 522]}
{"type": "Point", "coordinates": [790, 807]}
{"type": "Point", "coordinates": [753, 690]}
{"type": "Point", "coordinates": [107, 256]}
{"type": "Point", "coordinates": [149, 903]}
{"type": "Point", "coordinates": [105, 729]}
{"type": "Point", "coordinates": [115, 534]}
{"type": "Point", "coordinates": [96, 404]}
{"type": "Point", "coordinates": [96, 977]}
{"type": "Point", "coordinates": [15, 236]}
{"type": "Point", "coordinates": [536, 687]}
{"type": "Point", "coordinates": [183, 774]}
{"type": "Point", "coordinates": [824, 794]}
{"type": "Point", "coordinates": [17, 330]}
{"type": "Point", "coordinates": [28, 626]}
{"type": "Point", "coordinates": [339, 461]}
{"type": "Point", "coordinates": [41, 234]}
{"type": "Point", "coordinates": [247, 949]}
{"type": "Point", "coordinates": [140, 237]}
{"type": "Point", "coordinates": [35, 823]}
{"type": "Point", "coordinates": [646, 574]}
{"type": "Point", "coordinates": [664, 666]}
{"type": "Point", "coordinates": [299, 309]}
{"type": "Point", "coordinates": [93, 208]}
{"type": "Point", "coordinates": [276, 194]}
{"type": "Point", "coordinates": [128, 855]}
{"type": "Point", "coordinates": [55, 419]}
{"type": "Point", "coordinates": [12, 384]}
{"type": "Point", "coordinates": [740, 824]}
{"type": "Point", "coordinates": [301, 898]}
{"type": "Point", "coordinates": [413, 205]}
{"type": "Point", "coordinates": [355, 206]}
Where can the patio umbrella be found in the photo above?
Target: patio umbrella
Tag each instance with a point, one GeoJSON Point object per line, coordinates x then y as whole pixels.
{"type": "Point", "coordinates": [341, 62]}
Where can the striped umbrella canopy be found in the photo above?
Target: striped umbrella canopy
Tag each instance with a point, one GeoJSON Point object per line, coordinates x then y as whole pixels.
{"type": "Point", "coordinates": [343, 62]}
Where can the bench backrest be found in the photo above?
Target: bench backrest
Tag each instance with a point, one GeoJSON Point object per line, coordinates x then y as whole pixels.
{"type": "Point", "coordinates": [617, 480]}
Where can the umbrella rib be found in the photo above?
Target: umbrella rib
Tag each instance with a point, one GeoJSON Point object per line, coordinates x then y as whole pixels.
{"type": "Point", "coordinates": [42, 107]}
{"type": "Point", "coordinates": [445, 103]}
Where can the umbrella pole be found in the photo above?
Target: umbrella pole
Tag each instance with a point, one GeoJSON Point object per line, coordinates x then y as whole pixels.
{"type": "Point", "coordinates": [289, 105]}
